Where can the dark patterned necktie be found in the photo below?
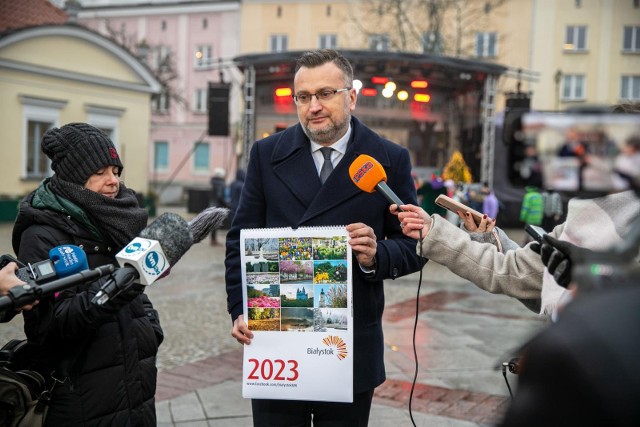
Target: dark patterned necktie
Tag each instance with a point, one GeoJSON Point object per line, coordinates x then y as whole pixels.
{"type": "Point", "coordinates": [327, 166]}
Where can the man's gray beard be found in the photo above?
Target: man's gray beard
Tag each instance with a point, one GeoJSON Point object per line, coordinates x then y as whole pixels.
{"type": "Point", "coordinates": [331, 133]}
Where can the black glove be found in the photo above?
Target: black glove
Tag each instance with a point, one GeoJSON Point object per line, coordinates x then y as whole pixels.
{"type": "Point", "coordinates": [556, 256]}
{"type": "Point", "coordinates": [129, 294]}
{"type": "Point", "coordinates": [535, 247]}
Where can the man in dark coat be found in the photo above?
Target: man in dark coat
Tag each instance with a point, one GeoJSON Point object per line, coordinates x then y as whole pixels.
{"type": "Point", "coordinates": [283, 188]}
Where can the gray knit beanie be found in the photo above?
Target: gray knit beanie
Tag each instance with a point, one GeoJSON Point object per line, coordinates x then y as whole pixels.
{"type": "Point", "coordinates": [78, 150]}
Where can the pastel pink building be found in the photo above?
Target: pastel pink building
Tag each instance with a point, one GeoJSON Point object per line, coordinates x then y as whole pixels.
{"type": "Point", "coordinates": [187, 45]}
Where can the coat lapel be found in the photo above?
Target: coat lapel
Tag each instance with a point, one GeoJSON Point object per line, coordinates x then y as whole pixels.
{"type": "Point", "coordinates": [291, 163]}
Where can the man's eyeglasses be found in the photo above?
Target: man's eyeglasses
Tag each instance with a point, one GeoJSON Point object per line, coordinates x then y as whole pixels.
{"type": "Point", "coordinates": [304, 98]}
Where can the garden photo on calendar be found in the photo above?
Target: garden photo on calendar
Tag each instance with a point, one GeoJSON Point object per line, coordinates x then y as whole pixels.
{"type": "Point", "coordinates": [296, 271]}
{"type": "Point", "coordinates": [264, 319]}
{"type": "Point", "coordinates": [330, 248]}
{"type": "Point", "coordinates": [263, 296]}
{"type": "Point", "coordinates": [295, 248]}
{"type": "Point", "coordinates": [333, 271]}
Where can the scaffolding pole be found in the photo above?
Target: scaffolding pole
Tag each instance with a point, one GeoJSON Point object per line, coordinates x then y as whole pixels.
{"type": "Point", "coordinates": [249, 117]}
{"type": "Point", "coordinates": [488, 129]}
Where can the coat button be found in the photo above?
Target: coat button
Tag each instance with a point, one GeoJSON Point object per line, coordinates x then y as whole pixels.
{"type": "Point", "coordinates": [96, 248]}
{"type": "Point", "coordinates": [109, 248]}
{"type": "Point", "coordinates": [81, 246]}
{"type": "Point", "coordinates": [394, 272]}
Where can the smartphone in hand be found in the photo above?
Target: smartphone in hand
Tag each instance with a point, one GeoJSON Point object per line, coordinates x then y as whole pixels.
{"type": "Point", "coordinates": [536, 232]}
{"type": "Point", "coordinates": [454, 206]}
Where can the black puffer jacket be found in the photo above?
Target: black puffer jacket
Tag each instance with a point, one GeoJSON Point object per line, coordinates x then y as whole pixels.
{"type": "Point", "coordinates": [107, 352]}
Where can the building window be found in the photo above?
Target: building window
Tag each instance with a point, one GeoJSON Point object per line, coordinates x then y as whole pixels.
{"type": "Point", "coordinates": [279, 12]}
{"type": "Point", "coordinates": [37, 163]}
{"type": "Point", "coordinates": [38, 115]}
{"type": "Point", "coordinates": [160, 156]}
{"type": "Point", "coordinates": [379, 42]}
{"type": "Point", "coordinates": [200, 101]}
{"type": "Point", "coordinates": [328, 13]}
{"type": "Point", "coordinates": [201, 157]}
{"type": "Point", "coordinates": [631, 39]}
{"type": "Point", "coordinates": [203, 56]}
{"type": "Point", "coordinates": [160, 102]}
{"type": "Point", "coordinates": [575, 39]}
{"type": "Point", "coordinates": [163, 25]}
{"type": "Point", "coordinates": [432, 43]}
{"type": "Point", "coordinates": [205, 23]}
{"type": "Point", "coordinates": [630, 88]}
{"type": "Point", "coordinates": [162, 57]}
{"type": "Point", "coordinates": [573, 87]}
{"type": "Point", "coordinates": [278, 43]}
{"type": "Point", "coordinates": [578, 4]}
{"type": "Point", "coordinates": [486, 45]}
{"type": "Point", "coordinates": [327, 41]}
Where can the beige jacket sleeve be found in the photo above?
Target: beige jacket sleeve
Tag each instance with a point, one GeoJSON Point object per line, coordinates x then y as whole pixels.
{"type": "Point", "coordinates": [516, 273]}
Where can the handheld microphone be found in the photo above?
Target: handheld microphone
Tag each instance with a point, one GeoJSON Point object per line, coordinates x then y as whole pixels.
{"type": "Point", "coordinates": [64, 260]}
{"type": "Point", "coordinates": [160, 246]}
{"type": "Point", "coordinates": [66, 267]}
{"type": "Point", "coordinates": [368, 175]}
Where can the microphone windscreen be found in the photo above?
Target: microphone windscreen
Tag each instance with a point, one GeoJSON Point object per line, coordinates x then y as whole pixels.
{"type": "Point", "coordinates": [173, 233]}
{"type": "Point", "coordinates": [68, 260]}
{"type": "Point", "coordinates": [206, 221]}
{"type": "Point", "coordinates": [366, 172]}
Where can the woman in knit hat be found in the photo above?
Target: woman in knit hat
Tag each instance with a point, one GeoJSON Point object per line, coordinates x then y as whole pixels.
{"type": "Point", "coordinates": [103, 355]}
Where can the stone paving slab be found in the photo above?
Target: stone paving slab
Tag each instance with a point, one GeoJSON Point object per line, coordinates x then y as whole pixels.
{"type": "Point", "coordinates": [205, 401]}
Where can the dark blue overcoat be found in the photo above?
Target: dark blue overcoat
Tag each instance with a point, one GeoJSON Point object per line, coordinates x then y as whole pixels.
{"type": "Point", "coordinates": [282, 189]}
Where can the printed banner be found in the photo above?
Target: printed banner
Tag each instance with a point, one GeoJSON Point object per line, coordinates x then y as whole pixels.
{"type": "Point", "coordinates": [297, 302]}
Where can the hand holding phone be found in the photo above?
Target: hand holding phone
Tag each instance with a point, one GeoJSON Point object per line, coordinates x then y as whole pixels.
{"type": "Point", "coordinates": [455, 206]}
{"type": "Point", "coordinates": [536, 232]}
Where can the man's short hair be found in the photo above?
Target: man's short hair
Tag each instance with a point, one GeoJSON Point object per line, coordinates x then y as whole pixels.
{"type": "Point", "coordinates": [316, 58]}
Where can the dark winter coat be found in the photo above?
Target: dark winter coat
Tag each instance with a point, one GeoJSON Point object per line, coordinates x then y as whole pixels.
{"type": "Point", "coordinates": [283, 189]}
{"type": "Point", "coordinates": [107, 352]}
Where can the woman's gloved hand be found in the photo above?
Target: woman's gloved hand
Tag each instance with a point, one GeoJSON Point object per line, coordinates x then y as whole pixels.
{"type": "Point", "coordinates": [559, 257]}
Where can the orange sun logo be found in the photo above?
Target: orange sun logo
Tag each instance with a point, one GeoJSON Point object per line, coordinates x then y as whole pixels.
{"type": "Point", "coordinates": [338, 343]}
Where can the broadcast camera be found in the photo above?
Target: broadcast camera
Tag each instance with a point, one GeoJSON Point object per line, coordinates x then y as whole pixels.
{"type": "Point", "coordinates": [585, 153]}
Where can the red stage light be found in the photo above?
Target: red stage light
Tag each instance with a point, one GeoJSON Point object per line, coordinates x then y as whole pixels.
{"type": "Point", "coordinates": [379, 80]}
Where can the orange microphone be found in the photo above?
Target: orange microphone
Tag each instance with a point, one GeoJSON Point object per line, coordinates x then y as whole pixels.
{"type": "Point", "coordinates": [368, 175]}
